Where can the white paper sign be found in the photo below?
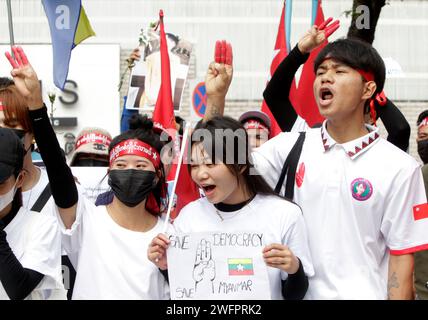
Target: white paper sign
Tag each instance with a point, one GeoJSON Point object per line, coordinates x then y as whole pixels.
{"type": "Point", "coordinates": [217, 265]}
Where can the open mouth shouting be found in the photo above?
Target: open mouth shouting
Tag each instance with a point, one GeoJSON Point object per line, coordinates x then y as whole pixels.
{"type": "Point", "coordinates": [208, 189]}
{"type": "Point", "coordinates": [326, 96]}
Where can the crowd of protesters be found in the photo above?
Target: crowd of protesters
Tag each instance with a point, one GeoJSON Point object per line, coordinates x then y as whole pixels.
{"type": "Point", "coordinates": [344, 211]}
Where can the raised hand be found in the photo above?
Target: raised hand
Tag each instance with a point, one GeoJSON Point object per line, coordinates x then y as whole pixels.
{"type": "Point", "coordinates": [317, 35]}
{"type": "Point", "coordinates": [156, 252]}
{"type": "Point", "coordinates": [281, 257]}
{"type": "Point", "coordinates": [25, 78]}
{"type": "Point", "coordinates": [220, 71]}
{"type": "Point", "coordinates": [204, 269]}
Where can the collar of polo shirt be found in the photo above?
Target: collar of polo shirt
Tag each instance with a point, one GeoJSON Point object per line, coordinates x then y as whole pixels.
{"type": "Point", "coordinates": [355, 147]}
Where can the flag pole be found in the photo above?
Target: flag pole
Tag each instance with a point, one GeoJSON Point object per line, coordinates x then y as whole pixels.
{"type": "Point", "coordinates": [177, 174]}
{"type": "Point", "coordinates": [9, 16]}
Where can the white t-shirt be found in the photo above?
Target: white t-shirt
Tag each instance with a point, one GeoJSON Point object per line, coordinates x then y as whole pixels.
{"type": "Point", "coordinates": [35, 240]}
{"type": "Point", "coordinates": [111, 260]}
{"type": "Point", "coordinates": [30, 197]}
{"type": "Point", "coordinates": [279, 220]}
{"type": "Point", "coordinates": [357, 200]}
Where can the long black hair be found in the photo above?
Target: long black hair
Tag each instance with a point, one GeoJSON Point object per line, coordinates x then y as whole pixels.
{"type": "Point", "coordinates": [226, 141]}
{"type": "Point", "coordinates": [141, 128]}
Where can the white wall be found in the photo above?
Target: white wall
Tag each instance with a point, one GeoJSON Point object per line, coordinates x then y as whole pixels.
{"type": "Point", "coordinates": [95, 69]}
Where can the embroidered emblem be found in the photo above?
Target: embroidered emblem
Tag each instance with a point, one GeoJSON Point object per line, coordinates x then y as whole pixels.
{"type": "Point", "coordinates": [300, 174]}
{"type": "Point", "coordinates": [361, 189]}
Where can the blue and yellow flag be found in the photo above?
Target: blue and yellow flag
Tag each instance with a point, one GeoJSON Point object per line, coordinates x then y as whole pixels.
{"type": "Point", "coordinates": [69, 26]}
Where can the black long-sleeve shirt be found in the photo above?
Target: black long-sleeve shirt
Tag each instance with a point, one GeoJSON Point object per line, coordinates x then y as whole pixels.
{"type": "Point", "coordinates": [17, 281]}
{"type": "Point", "coordinates": [63, 187]}
{"type": "Point", "coordinates": [277, 94]}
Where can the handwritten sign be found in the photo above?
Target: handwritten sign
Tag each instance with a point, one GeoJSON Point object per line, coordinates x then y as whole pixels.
{"type": "Point", "coordinates": [217, 265]}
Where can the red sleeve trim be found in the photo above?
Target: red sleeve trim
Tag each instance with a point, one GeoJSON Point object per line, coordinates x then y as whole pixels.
{"type": "Point", "coordinates": [409, 250]}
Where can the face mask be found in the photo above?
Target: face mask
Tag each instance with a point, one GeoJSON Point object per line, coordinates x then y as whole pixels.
{"type": "Point", "coordinates": [131, 186]}
{"type": "Point", "coordinates": [21, 135]}
{"type": "Point", "coordinates": [7, 198]}
{"type": "Point", "coordinates": [423, 150]}
{"type": "Point", "coordinates": [90, 163]}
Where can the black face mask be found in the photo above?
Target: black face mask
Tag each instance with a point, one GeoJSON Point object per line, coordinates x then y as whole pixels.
{"type": "Point", "coordinates": [131, 186]}
{"type": "Point", "coordinates": [423, 150]}
{"type": "Point", "coordinates": [90, 163]}
{"type": "Point", "coordinates": [20, 133]}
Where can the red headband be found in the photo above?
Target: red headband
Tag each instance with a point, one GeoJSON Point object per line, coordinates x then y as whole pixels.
{"type": "Point", "coordinates": [254, 124]}
{"type": "Point", "coordinates": [135, 147]}
{"type": "Point", "coordinates": [423, 123]}
{"type": "Point", "coordinates": [367, 75]}
{"type": "Point", "coordinates": [1, 106]}
{"type": "Point", "coordinates": [93, 138]}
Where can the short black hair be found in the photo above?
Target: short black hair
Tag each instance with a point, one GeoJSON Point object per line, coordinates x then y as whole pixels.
{"type": "Point", "coordinates": [355, 54]}
{"type": "Point", "coordinates": [240, 149]}
{"type": "Point", "coordinates": [422, 116]}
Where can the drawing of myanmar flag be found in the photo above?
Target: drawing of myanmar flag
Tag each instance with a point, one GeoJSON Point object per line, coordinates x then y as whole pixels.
{"type": "Point", "coordinates": [240, 267]}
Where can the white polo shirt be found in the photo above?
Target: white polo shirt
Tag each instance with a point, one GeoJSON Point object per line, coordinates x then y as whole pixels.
{"type": "Point", "coordinates": [279, 220]}
{"type": "Point", "coordinates": [358, 201]}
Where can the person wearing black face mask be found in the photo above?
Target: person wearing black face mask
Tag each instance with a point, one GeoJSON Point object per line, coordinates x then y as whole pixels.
{"type": "Point", "coordinates": [421, 258]}
{"type": "Point", "coordinates": [111, 239]}
{"type": "Point", "coordinates": [91, 148]}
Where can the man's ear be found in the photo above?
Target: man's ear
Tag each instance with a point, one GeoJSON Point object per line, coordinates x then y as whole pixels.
{"type": "Point", "coordinates": [369, 89]}
{"type": "Point", "coordinates": [20, 179]}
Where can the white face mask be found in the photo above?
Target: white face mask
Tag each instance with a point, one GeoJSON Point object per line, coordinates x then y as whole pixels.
{"type": "Point", "coordinates": [7, 198]}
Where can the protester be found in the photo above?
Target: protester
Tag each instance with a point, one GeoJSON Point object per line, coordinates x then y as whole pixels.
{"type": "Point", "coordinates": [91, 148]}
{"type": "Point", "coordinates": [421, 258]}
{"type": "Point", "coordinates": [112, 239]}
{"type": "Point", "coordinates": [258, 126]}
{"type": "Point", "coordinates": [30, 245]}
{"type": "Point", "coordinates": [235, 200]}
{"type": "Point", "coordinates": [14, 115]}
{"type": "Point", "coordinates": [362, 245]}
{"type": "Point", "coordinates": [277, 97]}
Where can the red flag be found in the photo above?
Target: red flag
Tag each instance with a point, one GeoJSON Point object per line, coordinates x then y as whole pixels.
{"type": "Point", "coordinates": [281, 52]}
{"type": "Point", "coordinates": [420, 211]}
{"type": "Point", "coordinates": [163, 114]}
{"type": "Point", "coordinates": [186, 190]}
{"type": "Point", "coordinates": [306, 105]}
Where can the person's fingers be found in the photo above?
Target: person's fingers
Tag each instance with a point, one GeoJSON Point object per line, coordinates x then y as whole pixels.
{"type": "Point", "coordinates": [331, 29]}
{"type": "Point", "coordinates": [17, 55]}
{"type": "Point", "coordinates": [325, 23]}
{"type": "Point", "coordinates": [160, 242]}
{"type": "Point", "coordinates": [217, 52]}
{"type": "Point", "coordinates": [275, 260]}
{"type": "Point", "coordinates": [23, 56]}
{"type": "Point", "coordinates": [208, 251]}
{"type": "Point", "coordinates": [276, 246]}
{"type": "Point", "coordinates": [11, 60]}
{"type": "Point", "coordinates": [223, 51]}
{"type": "Point", "coordinates": [229, 54]}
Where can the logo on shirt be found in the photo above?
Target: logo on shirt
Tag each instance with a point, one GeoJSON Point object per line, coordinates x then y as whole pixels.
{"type": "Point", "coordinates": [300, 174]}
{"type": "Point", "coordinates": [361, 189]}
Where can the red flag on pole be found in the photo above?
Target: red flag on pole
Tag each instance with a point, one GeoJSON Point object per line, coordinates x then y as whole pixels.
{"type": "Point", "coordinates": [163, 117]}
{"type": "Point", "coordinates": [305, 100]}
{"type": "Point", "coordinates": [163, 114]}
{"type": "Point", "coordinates": [281, 51]}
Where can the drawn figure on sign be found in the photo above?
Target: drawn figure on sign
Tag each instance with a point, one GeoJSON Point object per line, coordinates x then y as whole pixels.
{"type": "Point", "coordinates": [204, 269]}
